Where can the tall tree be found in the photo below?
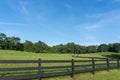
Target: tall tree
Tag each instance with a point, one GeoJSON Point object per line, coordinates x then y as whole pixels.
{"type": "Point", "coordinates": [102, 48]}
{"type": "Point", "coordinates": [116, 47]}
{"type": "Point", "coordinates": [110, 48]}
{"type": "Point", "coordinates": [91, 49]}
{"type": "Point", "coordinates": [28, 46]}
{"type": "Point", "coordinates": [40, 47]}
{"type": "Point", "coordinates": [2, 40]}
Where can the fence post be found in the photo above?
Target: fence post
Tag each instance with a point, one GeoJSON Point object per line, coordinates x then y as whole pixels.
{"type": "Point", "coordinates": [72, 75]}
{"type": "Point", "coordinates": [39, 69]}
{"type": "Point", "coordinates": [118, 63]}
{"type": "Point", "coordinates": [108, 66]}
{"type": "Point", "coordinates": [93, 66]}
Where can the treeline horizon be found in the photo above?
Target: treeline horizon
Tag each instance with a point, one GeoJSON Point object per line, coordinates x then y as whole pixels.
{"type": "Point", "coordinates": [13, 43]}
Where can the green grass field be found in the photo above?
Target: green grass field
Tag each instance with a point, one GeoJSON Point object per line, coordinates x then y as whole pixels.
{"type": "Point", "coordinates": [99, 75]}
{"type": "Point", "coordinates": [18, 55]}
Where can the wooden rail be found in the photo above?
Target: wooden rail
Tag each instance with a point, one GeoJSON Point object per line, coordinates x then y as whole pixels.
{"type": "Point", "coordinates": [76, 66]}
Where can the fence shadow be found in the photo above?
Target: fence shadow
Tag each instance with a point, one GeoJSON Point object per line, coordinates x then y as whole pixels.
{"type": "Point", "coordinates": [88, 57]}
{"type": "Point", "coordinates": [114, 56]}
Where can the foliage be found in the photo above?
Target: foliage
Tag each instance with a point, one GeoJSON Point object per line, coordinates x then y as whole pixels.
{"type": "Point", "coordinates": [103, 48]}
{"type": "Point", "coordinates": [40, 47]}
{"type": "Point", "coordinates": [28, 46]}
{"type": "Point", "coordinates": [13, 43]}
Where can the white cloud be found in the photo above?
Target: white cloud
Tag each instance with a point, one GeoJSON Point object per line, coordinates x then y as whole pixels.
{"type": "Point", "coordinates": [94, 26]}
{"type": "Point", "coordinates": [20, 6]}
{"type": "Point", "coordinates": [92, 30]}
{"type": "Point", "coordinates": [23, 8]}
{"type": "Point", "coordinates": [112, 17]}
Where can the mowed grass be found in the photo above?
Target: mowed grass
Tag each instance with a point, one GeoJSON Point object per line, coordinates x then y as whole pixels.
{"type": "Point", "coordinates": [19, 55]}
{"type": "Point", "coordinates": [113, 74]}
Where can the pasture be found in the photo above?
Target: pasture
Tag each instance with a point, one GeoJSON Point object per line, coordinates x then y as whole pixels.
{"type": "Point", "coordinates": [17, 55]}
{"type": "Point", "coordinates": [100, 75]}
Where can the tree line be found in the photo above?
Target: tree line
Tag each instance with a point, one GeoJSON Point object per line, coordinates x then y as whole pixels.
{"type": "Point", "coordinates": [13, 43]}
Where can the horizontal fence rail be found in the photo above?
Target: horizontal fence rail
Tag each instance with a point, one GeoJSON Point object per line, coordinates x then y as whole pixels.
{"type": "Point", "coordinates": [40, 71]}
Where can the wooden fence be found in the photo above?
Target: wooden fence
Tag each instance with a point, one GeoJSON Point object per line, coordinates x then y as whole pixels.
{"type": "Point", "coordinates": [90, 66]}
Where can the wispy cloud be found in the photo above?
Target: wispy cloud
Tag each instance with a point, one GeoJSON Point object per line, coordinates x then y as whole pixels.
{"type": "Point", "coordinates": [108, 14]}
{"type": "Point", "coordinates": [93, 30]}
{"type": "Point", "coordinates": [20, 6]}
{"type": "Point", "coordinates": [23, 8]}
{"type": "Point", "coordinates": [94, 26]}
{"type": "Point", "coordinates": [108, 18]}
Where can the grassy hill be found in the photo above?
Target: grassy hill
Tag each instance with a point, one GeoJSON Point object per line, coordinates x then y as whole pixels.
{"type": "Point", "coordinates": [18, 55]}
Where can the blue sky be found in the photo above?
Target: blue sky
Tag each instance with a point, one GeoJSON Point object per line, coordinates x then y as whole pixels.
{"type": "Point", "coordinates": [86, 22]}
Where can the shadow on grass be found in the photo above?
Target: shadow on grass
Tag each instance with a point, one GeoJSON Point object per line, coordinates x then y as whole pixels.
{"type": "Point", "coordinates": [114, 56]}
{"type": "Point", "coordinates": [88, 57]}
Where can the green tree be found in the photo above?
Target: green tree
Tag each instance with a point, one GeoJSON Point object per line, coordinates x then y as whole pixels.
{"type": "Point", "coordinates": [8, 43]}
{"type": "Point", "coordinates": [62, 48]}
{"type": "Point", "coordinates": [28, 46]}
{"type": "Point", "coordinates": [19, 47]}
{"type": "Point", "coordinates": [110, 48]}
{"type": "Point", "coordinates": [15, 41]}
{"type": "Point", "coordinates": [2, 40]}
{"type": "Point", "coordinates": [91, 49]}
{"type": "Point", "coordinates": [102, 48]}
{"type": "Point", "coordinates": [116, 47]}
{"type": "Point", "coordinates": [40, 47]}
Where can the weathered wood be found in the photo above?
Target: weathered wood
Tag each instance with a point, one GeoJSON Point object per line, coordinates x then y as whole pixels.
{"type": "Point", "coordinates": [108, 66]}
{"type": "Point", "coordinates": [93, 66]}
{"type": "Point", "coordinates": [82, 60]}
{"type": "Point", "coordinates": [98, 64]}
{"type": "Point", "coordinates": [118, 63]}
{"type": "Point", "coordinates": [39, 70]}
{"type": "Point", "coordinates": [100, 60]}
{"type": "Point", "coordinates": [72, 67]}
{"type": "Point", "coordinates": [85, 65]}
{"type": "Point", "coordinates": [72, 75]}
